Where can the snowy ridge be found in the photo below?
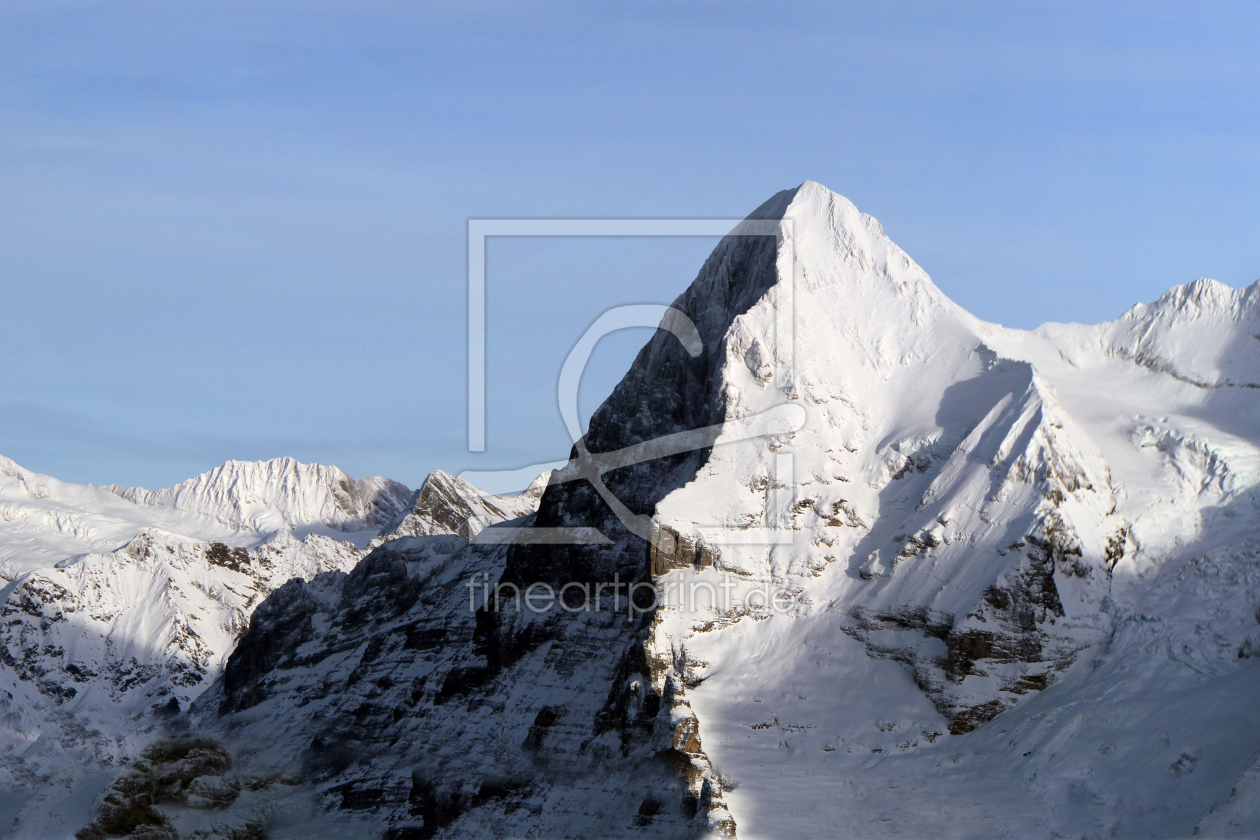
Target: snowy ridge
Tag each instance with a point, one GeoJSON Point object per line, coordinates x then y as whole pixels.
{"type": "Point", "coordinates": [1032, 492]}
{"type": "Point", "coordinates": [1203, 298]}
{"type": "Point", "coordinates": [265, 496]}
{"type": "Point", "coordinates": [447, 504]}
{"type": "Point", "coordinates": [44, 521]}
{"type": "Point", "coordinates": [1202, 333]}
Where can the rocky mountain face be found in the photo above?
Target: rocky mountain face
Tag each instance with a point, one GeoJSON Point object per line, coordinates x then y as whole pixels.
{"type": "Point", "coordinates": [416, 713]}
{"type": "Point", "coordinates": [446, 504]}
{"type": "Point", "coordinates": [405, 717]}
{"type": "Point", "coordinates": [867, 566]}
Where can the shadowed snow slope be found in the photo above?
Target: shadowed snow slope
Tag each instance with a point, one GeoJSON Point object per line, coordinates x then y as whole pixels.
{"type": "Point", "coordinates": [994, 583]}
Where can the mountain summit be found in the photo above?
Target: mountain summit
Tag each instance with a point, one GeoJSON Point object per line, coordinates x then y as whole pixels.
{"type": "Point", "coordinates": [280, 494]}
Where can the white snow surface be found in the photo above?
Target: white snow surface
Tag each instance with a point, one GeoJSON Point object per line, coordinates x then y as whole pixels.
{"type": "Point", "coordinates": [938, 453]}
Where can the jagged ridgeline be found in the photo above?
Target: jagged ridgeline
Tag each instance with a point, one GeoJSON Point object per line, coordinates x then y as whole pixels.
{"type": "Point", "coordinates": [994, 583]}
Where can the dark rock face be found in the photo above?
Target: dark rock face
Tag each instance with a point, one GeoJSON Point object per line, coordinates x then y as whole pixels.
{"type": "Point", "coordinates": [447, 504]}
{"type": "Point", "coordinates": [186, 772]}
{"type": "Point", "coordinates": [666, 391]}
{"type": "Point", "coordinates": [392, 699]}
{"type": "Point", "coordinates": [400, 700]}
{"type": "Point", "coordinates": [272, 638]}
{"type": "Point", "coordinates": [380, 499]}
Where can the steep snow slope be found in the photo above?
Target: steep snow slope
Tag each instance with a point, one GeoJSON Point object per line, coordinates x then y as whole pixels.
{"type": "Point", "coordinates": [966, 581]}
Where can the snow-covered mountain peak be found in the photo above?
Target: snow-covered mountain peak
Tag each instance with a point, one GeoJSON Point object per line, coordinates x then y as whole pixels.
{"type": "Point", "coordinates": [447, 504]}
{"type": "Point", "coordinates": [861, 312]}
{"type": "Point", "coordinates": [834, 245]}
{"type": "Point", "coordinates": [9, 468]}
{"type": "Point", "coordinates": [267, 496]}
{"type": "Point", "coordinates": [1203, 333]}
{"type": "Point", "coordinates": [1203, 298]}
{"type": "Point", "coordinates": [839, 246]}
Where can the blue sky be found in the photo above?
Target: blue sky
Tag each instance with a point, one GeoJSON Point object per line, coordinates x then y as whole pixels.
{"type": "Point", "coordinates": [238, 230]}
